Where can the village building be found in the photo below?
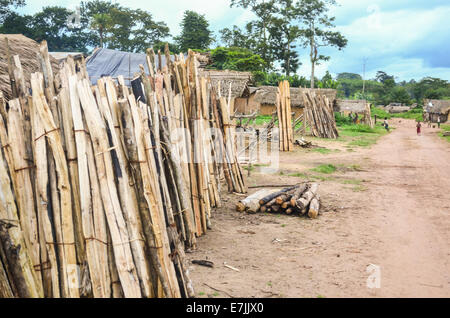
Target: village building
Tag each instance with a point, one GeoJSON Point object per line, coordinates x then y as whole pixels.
{"type": "Point", "coordinates": [434, 109]}
{"type": "Point", "coordinates": [263, 99]}
{"type": "Point", "coordinates": [360, 107]}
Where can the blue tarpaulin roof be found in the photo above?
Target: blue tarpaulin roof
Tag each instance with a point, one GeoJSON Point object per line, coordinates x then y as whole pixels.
{"type": "Point", "coordinates": [106, 62]}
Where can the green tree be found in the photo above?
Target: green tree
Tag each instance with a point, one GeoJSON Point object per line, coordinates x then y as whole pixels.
{"type": "Point", "coordinates": [5, 7]}
{"type": "Point", "coordinates": [351, 76]}
{"type": "Point", "coordinates": [399, 94]}
{"type": "Point", "coordinates": [101, 22]}
{"type": "Point", "coordinates": [382, 77]}
{"type": "Point", "coordinates": [117, 27]}
{"type": "Point", "coordinates": [327, 77]}
{"type": "Point", "coordinates": [148, 32]}
{"type": "Point", "coordinates": [258, 30]}
{"type": "Point", "coordinates": [237, 59]}
{"type": "Point", "coordinates": [317, 25]}
{"type": "Point", "coordinates": [285, 34]}
{"type": "Point", "coordinates": [14, 23]}
{"type": "Point", "coordinates": [235, 37]}
{"type": "Point", "coordinates": [195, 32]}
{"type": "Point", "coordinates": [51, 25]}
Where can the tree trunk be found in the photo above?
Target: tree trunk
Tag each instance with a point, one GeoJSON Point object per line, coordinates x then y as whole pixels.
{"type": "Point", "coordinates": [288, 59]}
{"type": "Point", "coordinates": [313, 55]}
{"type": "Point", "coordinates": [101, 37]}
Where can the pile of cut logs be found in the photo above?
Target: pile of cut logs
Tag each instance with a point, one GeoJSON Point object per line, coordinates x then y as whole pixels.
{"type": "Point", "coordinates": [297, 200]}
{"type": "Point", "coordinates": [99, 196]}
{"type": "Point", "coordinates": [319, 116]}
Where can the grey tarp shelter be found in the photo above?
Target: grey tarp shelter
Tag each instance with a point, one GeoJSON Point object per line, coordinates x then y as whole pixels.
{"type": "Point", "coordinates": [106, 62]}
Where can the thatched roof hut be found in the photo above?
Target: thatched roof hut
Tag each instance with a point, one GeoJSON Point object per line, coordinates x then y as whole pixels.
{"type": "Point", "coordinates": [397, 109]}
{"type": "Point", "coordinates": [263, 98]}
{"type": "Point", "coordinates": [434, 108]}
{"type": "Point", "coordinates": [239, 81]}
{"type": "Point", "coordinates": [351, 106]}
{"type": "Point", "coordinates": [26, 49]}
{"type": "Point", "coordinates": [267, 95]}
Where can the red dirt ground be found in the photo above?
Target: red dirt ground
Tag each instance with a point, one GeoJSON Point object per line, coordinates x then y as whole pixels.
{"type": "Point", "coordinates": [391, 211]}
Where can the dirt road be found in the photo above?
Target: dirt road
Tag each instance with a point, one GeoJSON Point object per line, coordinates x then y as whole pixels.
{"type": "Point", "coordinates": [397, 220]}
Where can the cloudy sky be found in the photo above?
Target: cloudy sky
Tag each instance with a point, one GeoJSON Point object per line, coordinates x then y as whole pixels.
{"type": "Point", "coordinates": [406, 38]}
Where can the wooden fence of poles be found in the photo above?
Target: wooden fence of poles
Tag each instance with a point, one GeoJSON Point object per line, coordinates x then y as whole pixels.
{"type": "Point", "coordinates": [104, 187]}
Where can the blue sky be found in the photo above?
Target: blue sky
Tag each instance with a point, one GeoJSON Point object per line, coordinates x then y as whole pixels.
{"type": "Point", "coordinates": [406, 38]}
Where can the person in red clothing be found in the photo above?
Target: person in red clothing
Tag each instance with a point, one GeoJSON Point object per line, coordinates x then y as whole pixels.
{"type": "Point", "coordinates": [419, 128]}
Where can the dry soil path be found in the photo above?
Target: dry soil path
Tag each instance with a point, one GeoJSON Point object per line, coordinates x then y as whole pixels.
{"type": "Point", "coordinates": [399, 221]}
{"type": "Point", "coordinates": [410, 193]}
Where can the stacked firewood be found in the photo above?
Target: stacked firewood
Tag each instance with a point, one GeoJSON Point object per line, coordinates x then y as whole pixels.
{"type": "Point", "coordinates": [285, 117]}
{"type": "Point", "coordinates": [319, 116]}
{"type": "Point", "coordinates": [297, 200]}
{"type": "Point", "coordinates": [103, 187]}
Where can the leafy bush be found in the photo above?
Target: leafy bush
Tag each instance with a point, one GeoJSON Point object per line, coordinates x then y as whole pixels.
{"type": "Point", "coordinates": [325, 169]}
{"type": "Point", "coordinates": [236, 59]}
{"type": "Point", "coordinates": [342, 120]}
{"type": "Point", "coordinates": [273, 79]}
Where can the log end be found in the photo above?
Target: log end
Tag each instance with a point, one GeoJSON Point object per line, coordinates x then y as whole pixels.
{"type": "Point", "coordinates": [240, 207]}
{"type": "Point", "coordinates": [313, 214]}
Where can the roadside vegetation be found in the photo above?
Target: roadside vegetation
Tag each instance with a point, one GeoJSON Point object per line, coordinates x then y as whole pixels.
{"type": "Point", "coordinates": [415, 113]}
{"type": "Point", "coordinates": [361, 135]}
{"type": "Point", "coordinates": [445, 128]}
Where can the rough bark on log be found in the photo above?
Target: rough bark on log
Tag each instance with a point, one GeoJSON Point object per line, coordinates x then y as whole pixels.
{"type": "Point", "coordinates": [314, 207]}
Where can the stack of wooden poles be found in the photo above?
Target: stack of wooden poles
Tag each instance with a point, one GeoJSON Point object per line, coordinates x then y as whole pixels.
{"type": "Point", "coordinates": [285, 117]}
{"type": "Point", "coordinates": [100, 197]}
{"type": "Point", "coordinates": [319, 116]}
{"type": "Point", "coordinates": [297, 200]}
{"type": "Point", "coordinates": [368, 120]}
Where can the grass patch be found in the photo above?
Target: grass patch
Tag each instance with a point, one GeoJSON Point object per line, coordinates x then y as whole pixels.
{"type": "Point", "coordinates": [323, 151]}
{"type": "Point", "coordinates": [261, 165]}
{"type": "Point", "coordinates": [299, 175]}
{"type": "Point", "coordinates": [322, 178]}
{"type": "Point", "coordinates": [359, 188]}
{"type": "Point", "coordinates": [353, 182]}
{"type": "Point", "coordinates": [361, 135]}
{"type": "Point", "coordinates": [416, 114]}
{"type": "Point", "coordinates": [263, 120]}
{"type": "Point", "coordinates": [445, 128]}
{"type": "Point", "coordinates": [355, 167]}
{"type": "Point", "coordinates": [362, 142]}
{"type": "Point", "coordinates": [201, 294]}
{"type": "Point", "coordinates": [325, 169]}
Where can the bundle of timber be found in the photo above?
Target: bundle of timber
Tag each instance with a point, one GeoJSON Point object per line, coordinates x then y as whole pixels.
{"type": "Point", "coordinates": [100, 197]}
{"type": "Point", "coordinates": [319, 115]}
{"type": "Point", "coordinates": [285, 117]}
{"type": "Point", "coordinates": [297, 200]}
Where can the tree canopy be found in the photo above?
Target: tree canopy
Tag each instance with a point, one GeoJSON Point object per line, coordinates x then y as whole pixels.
{"type": "Point", "coordinates": [195, 32]}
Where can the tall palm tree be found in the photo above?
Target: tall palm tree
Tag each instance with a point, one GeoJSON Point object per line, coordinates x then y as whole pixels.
{"type": "Point", "coordinates": [101, 22]}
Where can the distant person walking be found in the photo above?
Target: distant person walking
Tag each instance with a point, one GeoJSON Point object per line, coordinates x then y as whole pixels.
{"type": "Point", "coordinates": [439, 122]}
{"type": "Point", "coordinates": [386, 124]}
{"type": "Point", "coordinates": [419, 128]}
